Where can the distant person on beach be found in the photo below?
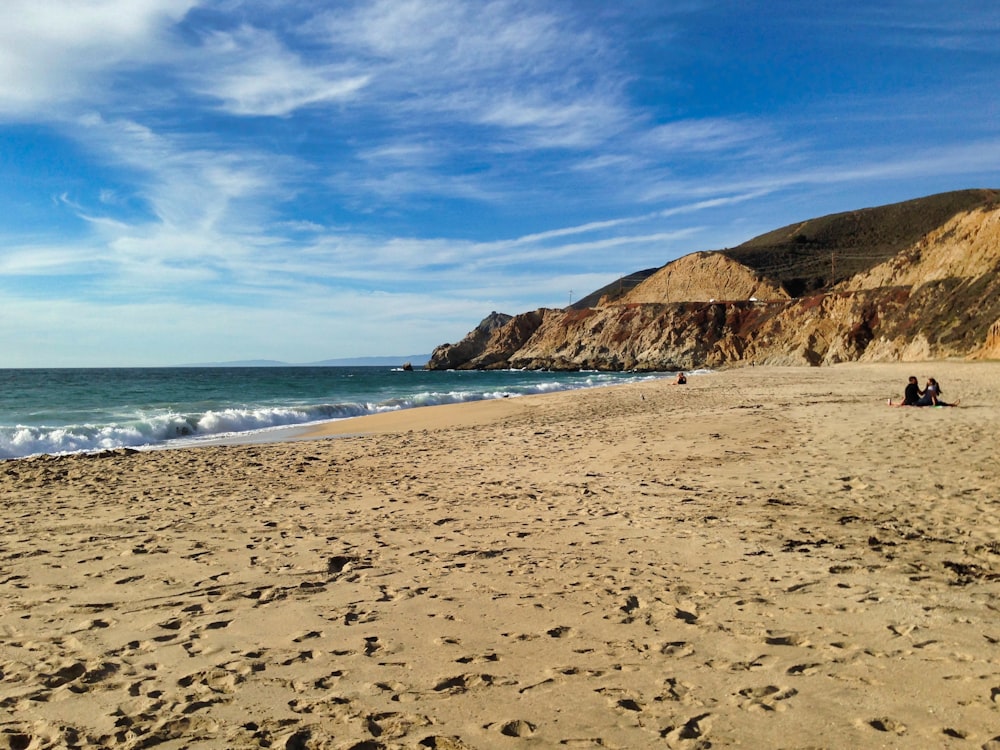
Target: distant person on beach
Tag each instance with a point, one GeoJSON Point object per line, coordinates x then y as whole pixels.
{"type": "Point", "coordinates": [932, 395]}
{"type": "Point", "coordinates": [911, 395]}
{"type": "Point", "coordinates": [681, 379]}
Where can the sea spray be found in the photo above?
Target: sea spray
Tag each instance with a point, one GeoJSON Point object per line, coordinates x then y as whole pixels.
{"type": "Point", "coordinates": [69, 411]}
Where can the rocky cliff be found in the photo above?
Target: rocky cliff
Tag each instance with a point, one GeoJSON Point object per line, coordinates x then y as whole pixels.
{"type": "Point", "coordinates": [912, 281]}
{"type": "Point", "coordinates": [703, 277]}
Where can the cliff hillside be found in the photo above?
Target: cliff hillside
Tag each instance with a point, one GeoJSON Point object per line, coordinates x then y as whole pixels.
{"type": "Point", "coordinates": [912, 281]}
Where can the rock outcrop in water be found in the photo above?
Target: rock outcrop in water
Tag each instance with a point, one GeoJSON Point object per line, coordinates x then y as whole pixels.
{"type": "Point", "coordinates": [912, 281]}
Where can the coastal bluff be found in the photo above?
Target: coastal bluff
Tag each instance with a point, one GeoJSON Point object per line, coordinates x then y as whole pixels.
{"type": "Point", "coordinates": [911, 281]}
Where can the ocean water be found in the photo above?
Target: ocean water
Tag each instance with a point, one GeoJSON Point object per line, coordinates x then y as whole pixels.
{"type": "Point", "coordinates": [59, 411]}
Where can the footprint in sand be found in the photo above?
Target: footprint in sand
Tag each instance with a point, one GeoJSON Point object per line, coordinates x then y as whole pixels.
{"type": "Point", "coordinates": [302, 656]}
{"type": "Point", "coordinates": [101, 672]}
{"type": "Point", "coordinates": [623, 700]}
{"type": "Point", "coordinates": [885, 724]}
{"type": "Point", "coordinates": [786, 639]}
{"type": "Point", "coordinates": [394, 725]}
{"type": "Point", "coordinates": [355, 617]}
{"type": "Point", "coordinates": [327, 682]}
{"type": "Point", "coordinates": [526, 636]}
{"type": "Point", "coordinates": [767, 697]}
{"type": "Point", "coordinates": [515, 728]}
{"type": "Point", "coordinates": [96, 624]}
{"type": "Point", "coordinates": [631, 605]}
{"type": "Point", "coordinates": [215, 680]}
{"type": "Point", "coordinates": [677, 649]}
{"type": "Point", "coordinates": [677, 691]}
{"type": "Point", "coordinates": [306, 738]}
{"type": "Point", "coordinates": [689, 734]}
{"type": "Point", "coordinates": [465, 682]}
{"type": "Point", "coordinates": [804, 669]}
{"type": "Point", "coordinates": [339, 563]}
{"type": "Point", "coordinates": [689, 617]}
{"type": "Point", "coordinates": [331, 705]}
{"type": "Point", "coordinates": [562, 631]}
{"type": "Point", "coordinates": [65, 675]}
{"type": "Point", "coordinates": [477, 659]}
{"type": "Point", "coordinates": [443, 743]}
{"type": "Point", "coordinates": [179, 728]}
{"type": "Point", "coordinates": [758, 662]}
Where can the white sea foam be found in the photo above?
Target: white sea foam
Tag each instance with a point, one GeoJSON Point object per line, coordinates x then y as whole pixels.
{"type": "Point", "coordinates": [141, 430]}
{"type": "Point", "coordinates": [147, 431]}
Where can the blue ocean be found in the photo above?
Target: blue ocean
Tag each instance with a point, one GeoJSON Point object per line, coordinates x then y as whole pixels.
{"type": "Point", "coordinates": [60, 411]}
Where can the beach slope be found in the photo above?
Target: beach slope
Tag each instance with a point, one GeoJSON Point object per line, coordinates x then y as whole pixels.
{"type": "Point", "coordinates": [765, 557]}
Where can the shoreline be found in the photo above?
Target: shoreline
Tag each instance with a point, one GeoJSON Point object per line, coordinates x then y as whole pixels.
{"type": "Point", "coordinates": [191, 424]}
{"type": "Point", "coordinates": [403, 420]}
{"type": "Point", "coordinates": [440, 416]}
{"type": "Point", "coordinates": [488, 411]}
{"type": "Point", "coordinates": [752, 558]}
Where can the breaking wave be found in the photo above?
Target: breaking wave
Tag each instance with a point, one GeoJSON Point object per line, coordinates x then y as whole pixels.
{"type": "Point", "coordinates": [144, 430]}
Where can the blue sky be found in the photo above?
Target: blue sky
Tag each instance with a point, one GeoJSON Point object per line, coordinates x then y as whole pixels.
{"type": "Point", "coordinates": [215, 180]}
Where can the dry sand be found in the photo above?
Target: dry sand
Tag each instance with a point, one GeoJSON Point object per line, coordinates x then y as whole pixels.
{"type": "Point", "coordinates": [762, 558]}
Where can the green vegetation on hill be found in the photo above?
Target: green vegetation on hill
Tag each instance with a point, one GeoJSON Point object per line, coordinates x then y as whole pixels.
{"type": "Point", "coordinates": [814, 255]}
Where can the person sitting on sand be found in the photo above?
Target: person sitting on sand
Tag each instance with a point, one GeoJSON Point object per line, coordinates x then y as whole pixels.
{"type": "Point", "coordinates": [932, 395]}
{"type": "Point", "coordinates": [681, 379]}
{"type": "Point", "coordinates": [912, 393]}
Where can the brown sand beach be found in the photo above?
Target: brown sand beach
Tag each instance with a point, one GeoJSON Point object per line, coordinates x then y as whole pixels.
{"type": "Point", "coordinates": [761, 558]}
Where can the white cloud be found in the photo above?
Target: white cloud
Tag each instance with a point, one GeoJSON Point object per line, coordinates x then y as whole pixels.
{"type": "Point", "coordinates": [387, 186]}
{"type": "Point", "coordinates": [299, 325]}
{"type": "Point", "coordinates": [715, 134]}
{"type": "Point", "coordinates": [961, 25]}
{"type": "Point", "coordinates": [55, 52]}
{"type": "Point", "coordinates": [43, 260]}
{"type": "Point", "coordinates": [840, 167]}
{"type": "Point", "coordinates": [454, 39]}
{"type": "Point", "coordinates": [252, 73]}
{"type": "Point", "coordinates": [583, 122]}
{"type": "Point", "coordinates": [600, 226]}
{"type": "Point", "coordinates": [188, 186]}
{"type": "Point", "coordinates": [406, 153]}
{"type": "Point", "coordinates": [497, 64]}
{"type": "Point", "coordinates": [393, 143]}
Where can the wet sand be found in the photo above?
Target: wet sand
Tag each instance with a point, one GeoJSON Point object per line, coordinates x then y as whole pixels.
{"type": "Point", "coordinates": [765, 557]}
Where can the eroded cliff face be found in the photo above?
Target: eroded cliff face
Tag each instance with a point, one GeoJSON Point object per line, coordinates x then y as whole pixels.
{"type": "Point", "coordinates": [455, 356]}
{"type": "Point", "coordinates": [938, 298]}
{"type": "Point", "coordinates": [991, 349]}
{"type": "Point", "coordinates": [701, 277]}
{"type": "Point", "coordinates": [966, 247]}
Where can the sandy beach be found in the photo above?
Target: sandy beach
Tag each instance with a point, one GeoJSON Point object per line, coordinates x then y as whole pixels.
{"type": "Point", "coordinates": [762, 558]}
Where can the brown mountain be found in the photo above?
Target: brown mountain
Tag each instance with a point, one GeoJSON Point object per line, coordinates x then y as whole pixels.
{"type": "Point", "coordinates": [909, 281]}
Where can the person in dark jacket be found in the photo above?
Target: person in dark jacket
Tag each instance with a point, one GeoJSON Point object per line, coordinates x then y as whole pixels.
{"type": "Point", "coordinates": [912, 394]}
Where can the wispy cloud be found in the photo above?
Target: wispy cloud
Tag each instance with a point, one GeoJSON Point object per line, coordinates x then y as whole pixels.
{"type": "Point", "coordinates": [706, 135]}
{"type": "Point", "coordinates": [303, 172]}
{"type": "Point", "coordinates": [186, 184]}
{"type": "Point", "coordinates": [437, 42]}
{"type": "Point", "coordinates": [251, 73]}
{"type": "Point", "coordinates": [498, 64]}
{"type": "Point", "coordinates": [963, 25]}
{"type": "Point", "coordinates": [854, 167]}
{"type": "Point", "coordinates": [60, 52]}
